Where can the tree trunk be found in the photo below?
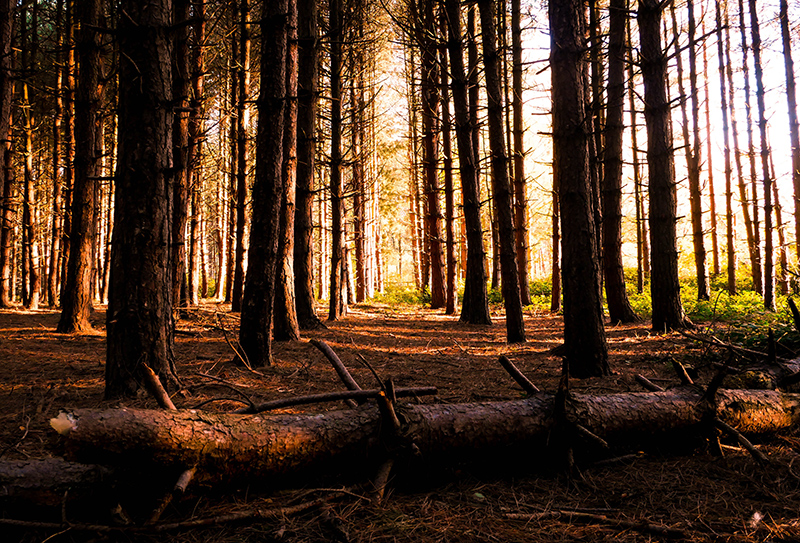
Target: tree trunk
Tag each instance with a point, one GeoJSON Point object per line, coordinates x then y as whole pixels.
{"type": "Point", "coordinates": [242, 120]}
{"type": "Point", "coordinates": [139, 317]}
{"type": "Point", "coordinates": [255, 331]}
{"type": "Point", "coordinates": [430, 151]}
{"type": "Point", "coordinates": [195, 155]}
{"type": "Point", "coordinates": [791, 102]}
{"type": "Point", "coordinates": [730, 248]}
{"type": "Point", "coordinates": [447, 164]}
{"type": "Point", "coordinates": [248, 447]}
{"type": "Point", "coordinates": [337, 305]}
{"type": "Point", "coordinates": [619, 307]}
{"type": "Point", "coordinates": [520, 184]}
{"type": "Point", "coordinates": [696, 201]}
{"type": "Point", "coordinates": [7, 8]}
{"type": "Point", "coordinates": [306, 151]}
{"type": "Point", "coordinates": [664, 286]}
{"type": "Point", "coordinates": [755, 248]}
{"type": "Point", "coordinates": [30, 255]}
{"type": "Point", "coordinates": [56, 233]}
{"type": "Point", "coordinates": [642, 249]}
{"type": "Point", "coordinates": [180, 146]}
{"type": "Point", "coordinates": [501, 185]}
{"type": "Point", "coordinates": [692, 165]}
{"type": "Point", "coordinates": [475, 305]}
{"type": "Point", "coordinates": [737, 156]}
{"type": "Point", "coordinates": [286, 324]}
{"type": "Point", "coordinates": [712, 198]}
{"type": "Point", "coordinates": [584, 335]}
{"type": "Point", "coordinates": [769, 284]}
{"type": "Point", "coordinates": [76, 299]}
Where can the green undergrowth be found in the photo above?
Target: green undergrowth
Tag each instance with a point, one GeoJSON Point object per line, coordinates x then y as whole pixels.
{"type": "Point", "coordinates": [740, 318]}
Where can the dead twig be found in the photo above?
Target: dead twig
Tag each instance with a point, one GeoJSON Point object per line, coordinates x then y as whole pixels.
{"type": "Point", "coordinates": [572, 516]}
{"type": "Point", "coordinates": [518, 376]}
{"type": "Point", "coordinates": [247, 514]}
{"type": "Point", "coordinates": [227, 385]}
{"type": "Point", "coordinates": [335, 396]}
{"type": "Point", "coordinates": [155, 388]}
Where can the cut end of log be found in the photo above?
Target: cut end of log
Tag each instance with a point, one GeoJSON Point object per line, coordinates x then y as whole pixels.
{"type": "Point", "coordinates": [64, 423]}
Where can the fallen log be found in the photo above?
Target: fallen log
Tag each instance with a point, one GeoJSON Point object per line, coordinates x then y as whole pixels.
{"type": "Point", "coordinates": [45, 481]}
{"type": "Point", "coordinates": [244, 447]}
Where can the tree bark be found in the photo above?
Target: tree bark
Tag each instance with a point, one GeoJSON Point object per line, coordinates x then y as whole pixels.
{"type": "Point", "coordinates": [664, 286]}
{"type": "Point", "coordinates": [306, 151]}
{"type": "Point", "coordinates": [56, 233]}
{"type": "Point", "coordinates": [619, 307]}
{"type": "Point", "coordinates": [255, 331]}
{"type": "Point", "coordinates": [501, 185]}
{"type": "Point", "coordinates": [242, 120]}
{"type": "Point", "coordinates": [76, 298]}
{"type": "Point", "coordinates": [520, 184]}
{"type": "Point", "coordinates": [730, 248]}
{"type": "Point", "coordinates": [430, 151]}
{"type": "Point", "coordinates": [791, 102]}
{"type": "Point", "coordinates": [139, 318]}
{"type": "Point", "coordinates": [447, 164]}
{"type": "Point", "coordinates": [7, 8]}
{"type": "Point", "coordinates": [286, 323]}
{"type": "Point", "coordinates": [180, 147]}
{"type": "Point", "coordinates": [337, 304]}
{"type": "Point", "coordinates": [475, 305]}
{"type": "Point", "coordinates": [194, 261]}
{"type": "Point", "coordinates": [769, 282]}
{"type": "Point", "coordinates": [584, 334]}
{"type": "Point", "coordinates": [242, 448]}
{"type": "Point", "coordinates": [755, 248]}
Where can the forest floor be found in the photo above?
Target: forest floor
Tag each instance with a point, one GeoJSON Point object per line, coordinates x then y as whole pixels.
{"type": "Point", "coordinates": [681, 485]}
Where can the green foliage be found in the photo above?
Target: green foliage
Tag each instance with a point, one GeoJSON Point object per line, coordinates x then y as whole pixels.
{"type": "Point", "coordinates": [401, 294]}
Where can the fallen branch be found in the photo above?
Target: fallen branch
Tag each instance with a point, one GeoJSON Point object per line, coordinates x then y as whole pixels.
{"type": "Point", "coordinates": [572, 516]}
{"type": "Point", "coordinates": [333, 397]}
{"type": "Point", "coordinates": [337, 364]}
{"type": "Point", "coordinates": [518, 376]}
{"type": "Point", "coordinates": [246, 514]}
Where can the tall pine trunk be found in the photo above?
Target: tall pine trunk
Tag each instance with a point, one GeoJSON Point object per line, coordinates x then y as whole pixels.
{"type": "Point", "coordinates": [7, 8]}
{"type": "Point", "coordinates": [769, 285]}
{"type": "Point", "coordinates": [619, 307]}
{"type": "Point", "coordinates": [139, 319]}
{"type": "Point", "coordinates": [242, 118]}
{"type": "Point", "coordinates": [664, 285]}
{"type": "Point", "coordinates": [730, 248]}
{"type": "Point", "coordinates": [475, 306]}
{"type": "Point", "coordinates": [584, 334]}
{"type": "Point", "coordinates": [306, 152]}
{"type": "Point", "coordinates": [501, 184]}
{"type": "Point", "coordinates": [255, 331]}
{"type": "Point", "coordinates": [336, 303]}
{"type": "Point", "coordinates": [76, 297]}
{"type": "Point", "coordinates": [791, 102]}
{"type": "Point", "coordinates": [286, 324]}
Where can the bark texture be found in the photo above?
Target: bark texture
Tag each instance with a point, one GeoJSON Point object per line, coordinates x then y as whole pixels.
{"type": "Point", "coordinates": [501, 184]}
{"type": "Point", "coordinates": [255, 332]}
{"type": "Point", "coordinates": [584, 333]}
{"type": "Point", "coordinates": [664, 286]}
{"type": "Point", "coordinates": [240, 448]}
{"type": "Point", "coordinates": [76, 298]}
{"type": "Point", "coordinates": [619, 307]}
{"type": "Point", "coordinates": [475, 306]}
{"type": "Point", "coordinates": [139, 317]}
{"type": "Point", "coordinates": [306, 151]}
